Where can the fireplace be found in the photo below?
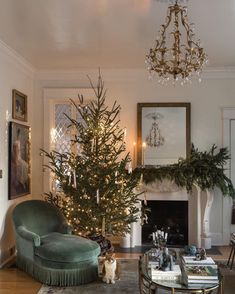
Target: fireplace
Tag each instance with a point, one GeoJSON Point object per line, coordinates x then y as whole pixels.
{"type": "Point", "coordinates": [194, 218]}
{"type": "Point", "coordinates": [171, 216]}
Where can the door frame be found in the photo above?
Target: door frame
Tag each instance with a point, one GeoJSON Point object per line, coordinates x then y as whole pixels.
{"type": "Point", "coordinates": [52, 96]}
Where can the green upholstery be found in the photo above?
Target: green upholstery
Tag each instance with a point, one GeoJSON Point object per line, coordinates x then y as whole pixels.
{"type": "Point", "coordinates": [47, 250]}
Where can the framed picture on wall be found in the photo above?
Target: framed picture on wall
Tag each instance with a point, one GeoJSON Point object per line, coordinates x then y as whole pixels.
{"type": "Point", "coordinates": [163, 133]}
{"type": "Point", "coordinates": [19, 105]}
{"type": "Point", "coordinates": [19, 160]}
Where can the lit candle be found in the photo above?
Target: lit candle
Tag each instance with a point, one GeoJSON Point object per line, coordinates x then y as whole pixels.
{"type": "Point", "coordinates": [74, 179]}
{"type": "Point", "coordinates": [145, 199]}
{"type": "Point", "coordinates": [143, 152]}
{"type": "Point", "coordinates": [129, 168]}
{"type": "Point", "coordinates": [116, 174]}
{"type": "Point", "coordinates": [97, 196]}
{"type": "Point", "coordinates": [166, 234]}
{"type": "Point", "coordinates": [69, 173]}
{"type": "Point", "coordinates": [134, 154]}
{"type": "Point", "coordinates": [92, 145]}
{"type": "Point", "coordinates": [154, 237]}
{"type": "Point", "coordinates": [141, 180]}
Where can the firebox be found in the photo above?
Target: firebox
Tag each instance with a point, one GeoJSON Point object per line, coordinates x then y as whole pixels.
{"type": "Point", "coordinates": [170, 216]}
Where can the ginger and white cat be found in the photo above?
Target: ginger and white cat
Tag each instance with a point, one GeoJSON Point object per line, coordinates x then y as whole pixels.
{"type": "Point", "coordinates": [111, 268]}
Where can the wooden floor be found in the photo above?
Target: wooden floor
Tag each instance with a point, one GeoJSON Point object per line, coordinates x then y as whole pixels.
{"type": "Point", "coordinates": [14, 281]}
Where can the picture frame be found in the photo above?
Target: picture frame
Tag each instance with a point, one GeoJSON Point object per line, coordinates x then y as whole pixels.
{"type": "Point", "coordinates": [163, 133]}
{"type": "Point", "coordinates": [19, 160]}
{"type": "Point", "coordinates": [19, 106]}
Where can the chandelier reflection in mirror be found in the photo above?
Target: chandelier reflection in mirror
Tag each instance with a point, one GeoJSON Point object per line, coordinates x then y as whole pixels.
{"type": "Point", "coordinates": [177, 56]}
{"type": "Point", "coordinates": [154, 138]}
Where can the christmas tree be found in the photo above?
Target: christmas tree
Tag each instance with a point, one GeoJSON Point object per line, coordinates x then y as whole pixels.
{"type": "Point", "coordinates": [94, 187]}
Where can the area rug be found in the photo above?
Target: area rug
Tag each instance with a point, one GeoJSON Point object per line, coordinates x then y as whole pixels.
{"type": "Point", "coordinates": [128, 283]}
{"type": "Point", "coordinates": [229, 276]}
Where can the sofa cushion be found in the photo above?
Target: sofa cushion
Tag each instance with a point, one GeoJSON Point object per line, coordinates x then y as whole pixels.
{"type": "Point", "coordinates": [66, 248]}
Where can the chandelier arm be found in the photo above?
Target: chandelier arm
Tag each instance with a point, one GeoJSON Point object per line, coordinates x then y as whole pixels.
{"type": "Point", "coordinates": [165, 26]}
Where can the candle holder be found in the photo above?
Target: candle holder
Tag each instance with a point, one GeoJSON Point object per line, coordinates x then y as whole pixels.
{"type": "Point", "coordinates": [159, 239]}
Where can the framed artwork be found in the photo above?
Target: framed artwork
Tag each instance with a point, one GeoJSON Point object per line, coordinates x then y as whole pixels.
{"type": "Point", "coordinates": [19, 160]}
{"type": "Point", "coordinates": [19, 105]}
{"type": "Point", "coordinates": [163, 133]}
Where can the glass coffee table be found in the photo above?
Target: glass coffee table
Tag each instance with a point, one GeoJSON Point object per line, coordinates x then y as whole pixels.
{"type": "Point", "coordinates": [150, 286]}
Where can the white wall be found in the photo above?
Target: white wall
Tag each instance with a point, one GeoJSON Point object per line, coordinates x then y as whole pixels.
{"type": "Point", "coordinates": [15, 73]}
{"type": "Point", "coordinates": [129, 87]}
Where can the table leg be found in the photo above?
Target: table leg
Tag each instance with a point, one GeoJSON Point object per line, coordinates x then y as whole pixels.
{"type": "Point", "coordinates": [230, 255]}
{"type": "Point", "coordinates": [221, 287]}
{"type": "Point", "coordinates": [153, 290]}
{"type": "Point", "coordinates": [172, 290]}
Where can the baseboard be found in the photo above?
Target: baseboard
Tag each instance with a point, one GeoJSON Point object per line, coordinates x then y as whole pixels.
{"type": "Point", "coordinates": [8, 261]}
{"type": "Point", "coordinates": [217, 240]}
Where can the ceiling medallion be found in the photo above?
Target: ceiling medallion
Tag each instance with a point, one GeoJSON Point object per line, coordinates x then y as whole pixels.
{"type": "Point", "coordinates": [176, 57]}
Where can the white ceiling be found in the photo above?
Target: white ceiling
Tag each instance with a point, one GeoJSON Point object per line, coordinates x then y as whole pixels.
{"type": "Point", "coordinates": [72, 34]}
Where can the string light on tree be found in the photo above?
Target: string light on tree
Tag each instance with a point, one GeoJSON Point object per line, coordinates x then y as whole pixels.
{"type": "Point", "coordinates": [100, 185]}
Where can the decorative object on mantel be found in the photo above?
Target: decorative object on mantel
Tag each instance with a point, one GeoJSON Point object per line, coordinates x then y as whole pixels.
{"type": "Point", "coordinates": [204, 169]}
{"type": "Point", "coordinates": [94, 189]}
{"type": "Point", "coordinates": [180, 60]}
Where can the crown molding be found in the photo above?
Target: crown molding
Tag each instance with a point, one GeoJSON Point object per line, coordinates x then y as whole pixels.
{"type": "Point", "coordinates": [124, 74]}
{"type": "Point", "coordinates": [27, 67]}
{"type": "Point", "coordinates": [110, 74]}
{"type": "Point", "coordinates": [226, 72]}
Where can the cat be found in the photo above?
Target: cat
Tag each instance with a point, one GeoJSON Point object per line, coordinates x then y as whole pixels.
{"type": "Point", "coordinates": [111, 268]}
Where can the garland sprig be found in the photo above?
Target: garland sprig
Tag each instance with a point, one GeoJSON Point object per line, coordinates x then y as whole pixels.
{"type": "Point", "coordinates": [203, 168]}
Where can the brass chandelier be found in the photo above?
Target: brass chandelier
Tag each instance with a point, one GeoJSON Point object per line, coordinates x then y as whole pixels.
{"type": "Point", "coordinates": [180, 60]}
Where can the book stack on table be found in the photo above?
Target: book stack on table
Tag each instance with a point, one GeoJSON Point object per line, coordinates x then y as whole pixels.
{"type": "Point", "coordinates": [173, 275]}
{"type": "Point", "coordinates": [199, 271]}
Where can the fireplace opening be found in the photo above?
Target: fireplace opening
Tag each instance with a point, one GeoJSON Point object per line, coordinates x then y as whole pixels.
{"type": "Point", "coordinates": [170, 216]}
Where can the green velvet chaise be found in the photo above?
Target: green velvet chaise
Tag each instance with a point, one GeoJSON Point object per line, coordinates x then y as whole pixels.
{"type": "Point", "coordinates": [47, 250]}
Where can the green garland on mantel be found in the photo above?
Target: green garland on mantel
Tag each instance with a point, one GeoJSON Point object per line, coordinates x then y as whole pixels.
{"type": "Point", "coordinates": [205, 169]}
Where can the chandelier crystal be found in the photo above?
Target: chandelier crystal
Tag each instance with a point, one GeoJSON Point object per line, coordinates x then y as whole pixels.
{"type": "Point", "coordinates": [176, 56]}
